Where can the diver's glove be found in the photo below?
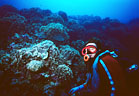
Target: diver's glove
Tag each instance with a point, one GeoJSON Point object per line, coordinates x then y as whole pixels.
{"type": "Point", "coordinates": [75, 89]}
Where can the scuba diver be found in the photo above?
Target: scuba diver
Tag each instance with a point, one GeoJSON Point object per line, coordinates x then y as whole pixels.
{"type": "Point", "coordinates": [105, 76]}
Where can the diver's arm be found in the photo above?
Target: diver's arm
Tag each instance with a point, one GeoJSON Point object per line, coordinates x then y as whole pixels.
{"type": "Point", "coordinates": [81, 87]}
{"type": "Point", "coordinates": [87, 80]}
{"type": "Point", "coordinates": [85, 85]}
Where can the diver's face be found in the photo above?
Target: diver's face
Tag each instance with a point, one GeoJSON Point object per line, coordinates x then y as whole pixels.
{"type": "Point", "coordinates": [89, 51]}
{"type": "Point", "coordinates": [92, 55]}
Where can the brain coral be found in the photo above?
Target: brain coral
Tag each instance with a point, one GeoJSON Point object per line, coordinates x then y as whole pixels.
{"type": "Point", "coordinates": [40, 52]}
{"type": "Point", "coordinates": [55, 32]}
{"type": "Point", "coordinates": [34, 65]}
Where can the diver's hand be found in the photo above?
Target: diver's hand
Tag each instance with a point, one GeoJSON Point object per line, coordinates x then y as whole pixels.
{"type": "Point", "coordinates": [75, 89]}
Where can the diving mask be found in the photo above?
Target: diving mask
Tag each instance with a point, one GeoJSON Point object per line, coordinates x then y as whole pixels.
{"type": "Point", "coordinates": [88, 50]}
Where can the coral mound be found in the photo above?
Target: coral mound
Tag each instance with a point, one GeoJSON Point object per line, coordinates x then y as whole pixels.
{"type": "Point", "coordinates": [64, 72]}
{"type": "Point", "coordinates": [55, 32]}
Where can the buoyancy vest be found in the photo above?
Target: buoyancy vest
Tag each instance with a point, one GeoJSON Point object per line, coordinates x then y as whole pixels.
{"type": "Point", "coordinates": [111, 76]}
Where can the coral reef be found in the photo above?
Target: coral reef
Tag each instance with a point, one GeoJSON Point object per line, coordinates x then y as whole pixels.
{"type": "Point", "coordinates": [63, 15]}
{"type": "Point", "coordinates": [55, 32]}
{"type": "Point", "coordinates": [35, 12]}
{"type": "Point", "coordinates": [40, 50]}
{"type": "Point", "coordinates": [10, 24]}
{"type": "Point", "coordinates": [6, 9]}
{"type": "Point", "coordinates": [72, 58]}
{"type": "Point", "coordinates": [76, 30]}
{"type": "Point", "coordinates": [78, 44]}
{"type": "Point", "coordinates": [53, 18]}
{"type": "Point", "coordinates": [44, 61]}
{"type": "Point", "coordinates": [13, 18]}
{"type": "Point", "coordinates": [34, 65]}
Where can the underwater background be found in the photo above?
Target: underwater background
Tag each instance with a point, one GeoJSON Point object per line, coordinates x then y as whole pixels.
{"type": "Point", "coordinates": [41, 43]}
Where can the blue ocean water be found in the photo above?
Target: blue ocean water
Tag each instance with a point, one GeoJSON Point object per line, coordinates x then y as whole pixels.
{"type": "Point", "coordinates": [123, 10]}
